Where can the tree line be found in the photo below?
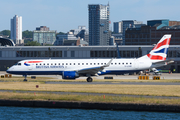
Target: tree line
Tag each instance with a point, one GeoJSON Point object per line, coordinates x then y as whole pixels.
{"type": "Point", "coordinates": [25, 34]}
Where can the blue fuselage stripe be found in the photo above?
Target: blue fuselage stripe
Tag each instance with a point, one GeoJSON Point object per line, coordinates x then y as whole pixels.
{"type": "Point", "coordinates": [60, 72]}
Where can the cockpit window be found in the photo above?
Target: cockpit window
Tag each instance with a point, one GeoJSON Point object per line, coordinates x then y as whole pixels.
{"type": "Point", "coordinates": [19, 64]}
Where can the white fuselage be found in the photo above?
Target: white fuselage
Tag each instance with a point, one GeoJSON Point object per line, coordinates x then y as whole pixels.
{"type": "Point", "coordinates": [57, 66]}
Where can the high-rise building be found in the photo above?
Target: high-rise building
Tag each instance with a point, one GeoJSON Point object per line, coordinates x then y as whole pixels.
{"type": "Point", "coordinates": [44, 36]}
{"type": "Point", "coordinates": [122, 26]}
{"type": "Point", "coordinates": [117, 27]}
{"type": "Point", "coordinates": [61, 38]}
{"type": "Point", "coordinates": [16, 29]}
{"type": "Point", "coordinates": [130, 24]}
{"type": "Point", "coordinates": [98, 24]}
{"type": "Point", "coordinates": [73, 35]}
{"type": "Point", "coordinates": [81, 32]}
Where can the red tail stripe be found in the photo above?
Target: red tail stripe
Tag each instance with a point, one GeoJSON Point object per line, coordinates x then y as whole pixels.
{"type": "Point", "coordinates": [156, 57]}
{"type": "Point", "coordinates": [164, 42]}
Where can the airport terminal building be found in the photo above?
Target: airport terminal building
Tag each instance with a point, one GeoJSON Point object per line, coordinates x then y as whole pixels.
{"type": "Point", "coordinates": [9, 55]}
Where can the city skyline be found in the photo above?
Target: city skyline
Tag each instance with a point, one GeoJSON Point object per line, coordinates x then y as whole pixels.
{"type": "Point", "coordinates": [65, 15]}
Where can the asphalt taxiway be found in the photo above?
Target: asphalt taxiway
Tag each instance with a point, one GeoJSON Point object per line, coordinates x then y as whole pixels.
{"type": "Point", "coordinates": [164, 76]}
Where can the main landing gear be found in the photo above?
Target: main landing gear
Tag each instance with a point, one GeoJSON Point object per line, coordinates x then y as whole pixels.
{"type": "Point", "coordinates": [89, 79]}
{"type": "Point", "coordinates": [25, 76]}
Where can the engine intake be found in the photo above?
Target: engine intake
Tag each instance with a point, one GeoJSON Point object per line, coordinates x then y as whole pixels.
{"type": "Point", "coordinates": [70, 75]}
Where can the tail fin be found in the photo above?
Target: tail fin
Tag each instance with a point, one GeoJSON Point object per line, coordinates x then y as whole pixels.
{"type": "Point", "coordinates": [159, 52]}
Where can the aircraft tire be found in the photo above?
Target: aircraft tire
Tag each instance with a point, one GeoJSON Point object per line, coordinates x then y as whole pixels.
{"type": "Point", "coordinates": [89, 79]}
{"type": "Point", "coordinates": [25, 80]}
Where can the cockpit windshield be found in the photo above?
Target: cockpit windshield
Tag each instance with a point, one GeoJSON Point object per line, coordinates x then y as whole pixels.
{"type": "Point", "coordinates": [19, 64]}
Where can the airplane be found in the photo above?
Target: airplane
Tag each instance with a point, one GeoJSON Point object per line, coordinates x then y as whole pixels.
{"type": "Point", "coordinates": [74, 68]}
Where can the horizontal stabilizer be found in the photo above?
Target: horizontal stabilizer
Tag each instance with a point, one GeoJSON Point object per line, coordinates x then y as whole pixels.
{"type": "Point", "coordinates": [165, 62]}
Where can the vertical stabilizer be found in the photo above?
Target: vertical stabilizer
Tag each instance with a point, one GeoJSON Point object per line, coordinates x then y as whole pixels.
{"type": "Point", "coordinates": [159, 52]}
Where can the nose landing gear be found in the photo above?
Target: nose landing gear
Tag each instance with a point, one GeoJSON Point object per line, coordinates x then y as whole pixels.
{"type": "Point", "coordinates": [25, 76]}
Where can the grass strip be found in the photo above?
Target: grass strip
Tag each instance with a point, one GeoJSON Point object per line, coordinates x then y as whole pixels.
{"type": "Point", "coordinates": [151, 90]}
{"type": "Point", "coordinates": [87, 98]}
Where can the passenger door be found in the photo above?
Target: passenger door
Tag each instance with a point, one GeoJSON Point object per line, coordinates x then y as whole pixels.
{"type": "Point", "coordinates": [136, 63]}
{"type": "Point", "coordinates": [30, 67]}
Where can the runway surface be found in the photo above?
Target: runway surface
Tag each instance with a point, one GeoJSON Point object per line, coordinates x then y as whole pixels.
{"type": "Point", "coordinates": [117, 83]}
{"type": "Point", "coordinates": [122, 77]}
{"type": "Point", "coordinates": [164, 76]}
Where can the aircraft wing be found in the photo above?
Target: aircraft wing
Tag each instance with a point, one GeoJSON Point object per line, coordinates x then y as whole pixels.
{"type": "Point", "coordinates": [163, 62]}
{"type": "Point", "coordinates": [94, 70]}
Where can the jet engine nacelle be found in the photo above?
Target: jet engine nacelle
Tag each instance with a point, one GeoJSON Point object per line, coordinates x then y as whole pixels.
{"type": "Point", "coordinates": [70, 75]}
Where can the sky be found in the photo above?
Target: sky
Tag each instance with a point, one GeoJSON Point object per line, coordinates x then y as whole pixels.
{"type": "Point", "coordinates": [64, 15]}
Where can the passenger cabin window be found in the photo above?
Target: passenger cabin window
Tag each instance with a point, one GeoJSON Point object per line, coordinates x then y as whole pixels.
{"type": "Point", "coordinates": [59, 64]}
{"type": "Point", "coordinates": [86, 63]}
{"type": "Point", "coordinates": [36, 64]}
{"type": "Point", "coordinates": [130, 63]}
{"type": "Point", "coordinates": [126, 63]}
{"type": "Point", "coordinates": [74, 63]}
{"type": "Point", "coordinates": [94, 63]}
{"type": "Point", "coordinates": [111, 63]}
{"type": "Point", "coordinates": [119, 63]}
{"type": "Point", "coordinates": [19, 64]}
{"type": "Point", "coordinates": [69, 63]}
{"type": "Point", "coordinates": [55, 64]}
{"type": "Point", "coordinates": [82, 63]}
{"type": "Point", "coordinates": [78, 63]}
{"type": "Point", "coordinates": [44, 64]}
{"type": "Point", "coordinates": [66, 63]}
{"type": "Point", "coordinates": [47, 63]}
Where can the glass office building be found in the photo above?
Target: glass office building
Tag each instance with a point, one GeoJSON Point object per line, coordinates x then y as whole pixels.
{"type": "Point", "coordinates": [98, 24]}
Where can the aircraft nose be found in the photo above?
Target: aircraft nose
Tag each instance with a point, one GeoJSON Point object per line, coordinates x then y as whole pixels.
{"type": "Point", "coordinates": [9, 70]}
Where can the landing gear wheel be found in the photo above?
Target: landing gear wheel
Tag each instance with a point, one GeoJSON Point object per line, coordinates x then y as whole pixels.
{"type": "Point", "coordinates": [25, 76]}
{"type": "Point", "coordinates": [89, 79]}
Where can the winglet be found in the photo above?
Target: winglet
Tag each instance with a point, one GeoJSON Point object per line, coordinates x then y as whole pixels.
{"type": "Point", "coordinates": [107, 65]}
